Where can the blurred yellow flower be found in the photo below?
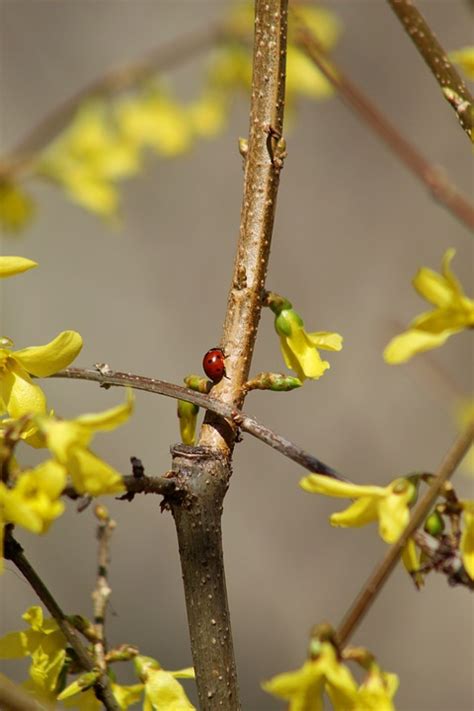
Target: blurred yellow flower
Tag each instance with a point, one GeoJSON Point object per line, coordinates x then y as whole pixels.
{"type": "Point", "coordinates": [389, 505]}
{"type": "Point", "coordinates": [187, 414]}
{"type": "Point", "coordinates": [18, 394]}
{"type": "Point", "coordinates": [162, 690]}
{"type": "Point", "coordinates": [464, 58]}
{"type": "Point", "coordinates": [467, 537]}
{"type": "Point", "coordinates": [453, 313]}
{"type": "Point", "coordinates": [16, 207]}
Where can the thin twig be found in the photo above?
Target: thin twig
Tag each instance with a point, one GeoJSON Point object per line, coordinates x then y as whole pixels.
{"type": "Point", "coordinates": [442, 554]}
{"type": "Point", "coordinates": [247, 424]}
{"type": "Point", "coordinates": [102, 591]}
{"type": "Point", "coordinates": [453, 88]}
{"type": "Point", "coordinates": [432, 177]}
{"type": "Point", "coordinates": [13, 551]}
{"type": "Point", "coordinates": [21, 157]}
{"type": "Point", "coordinates": [376, 581]}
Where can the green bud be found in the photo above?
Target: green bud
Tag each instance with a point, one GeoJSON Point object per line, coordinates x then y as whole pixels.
{"type": "Point", "coordinates": [197, 383]}
{"type": "Point", "coordinates": [187, 413]}
{"type": "Point", "coordinates": [143, 665]}
{"type": "Point", "coordinates": [434, 524]}
{"type": "Point", "coordinates": [276, 302]}
{"type": "Point", "coordinates": [277, 382]}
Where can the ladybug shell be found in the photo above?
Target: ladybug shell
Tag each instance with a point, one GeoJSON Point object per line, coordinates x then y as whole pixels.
{"type": "Point", "coordinates": [213, 364]}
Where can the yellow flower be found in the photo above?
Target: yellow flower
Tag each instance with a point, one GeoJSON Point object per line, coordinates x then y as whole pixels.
{"type": "Point", "coordinates": [467, 537]}
{"type": "Point", "coordinates": [78, 697]}
{"type": "Point", "coordinates": [453, 313]}
{"type": "Point", "coordinates": [34, 500]}
{"type": "Point", "coordinates": [9, 266]}
{"type": "Point", "coordinates": [162, 691]}
{"type": "Point", "coordinates": [299, 348]}
{"type": "Point", "coordinates": [387, 504]}
{"type": "Point", "coordinates": [187, 413]}
{"type": "Point", "coordinates": [68, 441]}
{"type": "Point", "coordinates": [304, 688]}
{"type": "Point", "coordinates": [45, 644]}
{"type": "Point", "coordinates": [376, 692]}
{"type": "Point", "coordinates": [16, 207]}
{"type": "Point", "coordinates": [464, 414]}
{"type": "Point", "coordinates": [465, 59]}
{"type": "Point", "coordinates": [18, 394]}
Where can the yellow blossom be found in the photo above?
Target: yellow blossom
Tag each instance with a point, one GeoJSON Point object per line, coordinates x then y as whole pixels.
{"type": "Point", "coordinates": [9, 266]}
{"type": "Point", "coordinates": [45, 644]}
{"type": "Point", "coordinates": [453, 312]}
{"type": "Point", "coordinates": [375, 693]}
{"type": "Point", "coordinates": [467, 537]}
{"type": "Point", "coordinates": [187, 414]}
{"type": "Point", "coordinates": [299, 348]}
{"type": "Point", "coordinates": [464, 58]}
{"type": "Point", "coordinates": [18, 394]}
{"type": "Point", "coordinates": [33, 502]}
{"type": "Point", "coordinates": [162, 691]}
{"type": "Point", "coordinates": [68, 441]}
{"type": "Point", "coordinates": [304, 687]}
{"type": "Point", "coordinates": [16, 207]}
{"type": "Point", "coordinates": [387, 504]}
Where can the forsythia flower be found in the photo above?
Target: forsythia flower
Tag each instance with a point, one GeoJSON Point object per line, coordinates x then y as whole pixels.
{"type": "Point", "coordinates": [467, 538]}
{"type": "Point", "coordinates": [18, 394]}
{"type": "Point", "coordinates": [187, 413]}
{"type": "Point", "coordinates": [83, 698]}
{"type": "Point", "coordinates": [16, 207]}
{"type": "Point", "coordinates": [464, 58]}
{"type": "Point", "coordinates": [45, 644]}
{"type": "Point", "coordinates": [9, 266]}
{"type": "Point", "coordinates": [453, 313]}
{"type": "Point", "coordinates": [299, 348]}
{"type": "Point", "coordinates": [68, 441]}
{"type": "Point", "coordinates": [162, 691]}
{"type": "Point", "coordinates": [387, 504]}
{"type": "Point", "coordinates": [34, 500]}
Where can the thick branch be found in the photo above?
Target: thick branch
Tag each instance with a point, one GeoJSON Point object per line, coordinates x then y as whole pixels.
{"type": "Point", "coordinates": [381, 573]}
{"type": "Point", "coordinates": [14, 552]}
{"type": "Point", "coordinates": [424, 39]}
{"type": "Point", "coordinates": [119, 79]}
{"type": "Point", "coordinates": [433, 178]}
{"type": "Point", "coordinates": [247, 424]}
{"type": "Point", "coordinates": [261, 180]}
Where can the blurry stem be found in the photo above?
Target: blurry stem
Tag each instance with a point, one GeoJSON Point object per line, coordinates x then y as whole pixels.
{"type": "Point", "coordinates": [424, 39]}
{"type": "Point", "coordinates": [21, 157]}
{"type": "Point", "coordinates": [433, 178]}
{"type": "Point", "coordinates": [14, 552]}
{"type": "Point", "coordinates": [376, 581]}
{"type": "Point", "coordinates": [101, 594]}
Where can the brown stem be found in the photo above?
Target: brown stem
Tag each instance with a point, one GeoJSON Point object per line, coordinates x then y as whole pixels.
{"type": "Point", "coordinates": [203, 477]}
{"type": "Point", "coordinates": [263, 164]}
{"type": "Point", "coordinates": [14, 698]}
{"type": "Point", "coordinates": [244, 422]}
{"type": "Point", "coordinates": [424, 39]}
{"type": "Point", "coordinates": [19, 160]}
{"type": "Point", "coordinates": [376, 581]}
{"type": "Point", "coordinates": [433, 178]}
{"type": "Point", "coordinates": [14, 552]}
{"type": "Point", "coordinates": [101, 594]}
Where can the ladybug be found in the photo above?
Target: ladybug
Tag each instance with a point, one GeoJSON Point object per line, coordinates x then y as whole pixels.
{"type": "Point", "coordinates": [213, 364]}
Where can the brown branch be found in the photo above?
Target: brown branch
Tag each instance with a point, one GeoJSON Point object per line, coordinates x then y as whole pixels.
{"type": "Point", "coordinates": [102, 591]}
{"type": "Point", "coordinates": [452, 86]}
{"type": "Point", "coordinates": [433, 178]}
{"type": "Point", "coordinates": [13, 551]}
{"type": "Point", "coordinates": [376, 581]}
{"type": "Point", "coordinates": [14, 698]}
{"type": "Point", "coordinates": [263, 163]}
{"type": "Point", "coordinates": [21, 157]}
{"type": "Point", "coordinates": [246, 423]}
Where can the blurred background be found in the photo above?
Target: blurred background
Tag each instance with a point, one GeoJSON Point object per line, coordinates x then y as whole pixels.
{"type": "Point", "coordinates": [352, 228]}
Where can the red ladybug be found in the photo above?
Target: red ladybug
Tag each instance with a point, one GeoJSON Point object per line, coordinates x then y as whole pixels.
{"type": "Point", "coordinates": [213, 364]}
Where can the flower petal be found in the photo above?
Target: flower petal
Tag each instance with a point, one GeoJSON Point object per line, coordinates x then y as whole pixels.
{"type": "Point", "coordinates": [43, 361]}
{"type": "Point", "coordinates": [91, 475]}
{"type": "Point", "coordinates": [9, 266]}
{"type": "Point", "coordinates": [320, 484]}
{"type": "Point", "coordinates": [326, 339]}
{"type": "Point", "coordinates": [360, 513]}
{"type": "Point", "coordinates": [403, 347]}
{"type": "Point", "coordinates": [433, 287]}
{"type": "Point", "coordinates": [467, 538]}
{"type": "Point", "coordinates": [108, 419]}
{"type": "Point", "coordinates": [20, 395]}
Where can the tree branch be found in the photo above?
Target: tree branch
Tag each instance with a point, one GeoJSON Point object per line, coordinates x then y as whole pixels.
{"type": "Point", "coordinates": [102, 591]}
{"type": "Point", "coordinates": [433, 178]}
{"type": "Point", "coordinates": [110, 378]}
{"type": "Point", "coordinates": [21, 157]}
{"type": "Point", "coordinates": [376, 581]}
{"type": "Point", "coordinates": [13, 551]}
{"type": "Point", "coordinates": [424, 39]}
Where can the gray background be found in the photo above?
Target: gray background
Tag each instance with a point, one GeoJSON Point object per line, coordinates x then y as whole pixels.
{"type": "Point", "coordinates": [351, 230]}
